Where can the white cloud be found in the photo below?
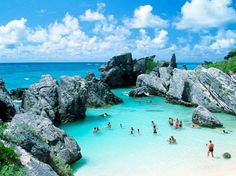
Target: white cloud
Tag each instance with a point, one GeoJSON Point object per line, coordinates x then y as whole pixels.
{"type": "Point", "coordinates": [13, 32]}
{"type": "Point", "coordinates": [202, 14]}
{"type": "Point", "coordinates": [224, 40]}
{"type": "Point", "coordinates": [147, 43]}
{"type": "Point", "coordinates": [144, 18]}
{"type": "Point", "coordinates": [94, 16]}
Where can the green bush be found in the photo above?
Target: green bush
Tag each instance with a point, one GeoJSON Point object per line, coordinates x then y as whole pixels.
{"type": "Point", "coordinates": [226, 66]}
{"type": "Point", "coordinates": [3, 126]}
{"type": "Point", "coordinates": [9, 162]}
{"type": "Point", "coordinates": [60, 166]}
{"type": "Point", "coordinates": [151, 64]}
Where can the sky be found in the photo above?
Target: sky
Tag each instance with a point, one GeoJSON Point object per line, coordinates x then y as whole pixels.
{"type": "Point", "coordinates": [96, 30]}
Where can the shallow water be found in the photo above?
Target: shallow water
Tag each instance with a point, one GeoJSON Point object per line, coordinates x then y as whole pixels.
{"type": "Point", "coordinates": [115, 152]}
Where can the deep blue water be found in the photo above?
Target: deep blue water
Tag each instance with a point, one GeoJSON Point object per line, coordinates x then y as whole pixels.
{"type": "Point", "coordinates": [20, 75]}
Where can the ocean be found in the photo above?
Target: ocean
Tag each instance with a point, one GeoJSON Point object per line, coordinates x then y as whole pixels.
{"type": "Point", "coordinates": [22, 75]}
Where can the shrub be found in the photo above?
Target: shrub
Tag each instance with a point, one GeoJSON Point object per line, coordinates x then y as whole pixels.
{"type": "Point", "coordinates": [9, 162]}
{"type": "Point", "coordinates": [60, 166]}
{"type": "Point", "coordinates": [226, 66]}
{"type": "Point", "coordinates": [151, 64]}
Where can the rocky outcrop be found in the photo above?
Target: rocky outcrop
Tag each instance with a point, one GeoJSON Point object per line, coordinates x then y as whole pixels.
{"type": "Point", "coordinates": [73, 98]}
{"type": "Point", "coordinates": [205, 118]}
{"type": "Point", "coordinates": [99, 94]}
{"type": "Point", "coordinates": [210, 88]}
{"type": "Point", "coordinates": [118, 72]}
{"type": "Point", "coordinates": [7, 107]}
{"type": "Point", "coordinates": [33, 167]}
{"type": "Point", "coordinates": [140, 92]}
{"type": "Point", "coordinates": [38, 136]}
{"type": "Point", "coordinates": [42, 98]}
{"type": "Point", "coordinates": [173, 63]}
{"type": "Point", "coordinates": [122, 70]}
{"type": "Point", "coordinates": [17, 94]}
{"type": "Point", "coordinates": [154, 85]}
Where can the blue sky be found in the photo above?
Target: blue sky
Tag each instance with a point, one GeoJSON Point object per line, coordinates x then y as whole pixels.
{"type": "Point", "coordinates": [92, 30]}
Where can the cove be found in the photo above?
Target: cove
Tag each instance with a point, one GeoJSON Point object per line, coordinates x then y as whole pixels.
{"type": "Point", "coordinates": [116, 152]}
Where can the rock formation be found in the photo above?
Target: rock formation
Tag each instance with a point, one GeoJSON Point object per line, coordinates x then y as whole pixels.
{"type": "Point", "coordinates": [210, 88]}
{"type": "Point", "coordinates": [7, 107]}
{"type": "Point", "coordinates": [73, 98]}
{"type": "Point", "coordinates": [122, 70]}
{"type": "Point", "coordinates": [38, 136]}
{"type": "Point", "coordinates": [42, 98]}
{"type": "Point", "coordinates": [205, 118]}
{"type": "Point", "coordinates": [99, 94]}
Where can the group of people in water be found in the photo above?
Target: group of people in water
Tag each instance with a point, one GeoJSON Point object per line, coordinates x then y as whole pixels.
{"type": "Point", "coordinates": [178, 123]}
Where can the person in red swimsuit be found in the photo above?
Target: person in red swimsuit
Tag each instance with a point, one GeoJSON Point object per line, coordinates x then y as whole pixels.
{"type": "Point", "coordinates": [210, 148]}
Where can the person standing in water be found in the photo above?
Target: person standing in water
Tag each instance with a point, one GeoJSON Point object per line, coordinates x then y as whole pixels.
{"type": "Point", "coordinates": [138, 131]}
{"type": "Point", "coordinates": [131, 130]}
{"type": "Point", "coordinates": [154, 129]}
{"type": "Point", "coordinates": [210, 148]}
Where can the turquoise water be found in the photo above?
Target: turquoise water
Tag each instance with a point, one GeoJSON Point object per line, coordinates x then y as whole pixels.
{"type": "Point", "coordinates": [22, 75]}
{"type": "Point", "coordinates": [115, 152]}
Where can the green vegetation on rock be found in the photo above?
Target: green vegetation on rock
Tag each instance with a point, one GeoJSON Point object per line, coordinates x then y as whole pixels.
{"type": "Point", "coordinates": [60, 166]}
{"type": "Point", "coordinates": [9, 162]}
{"type": "Point", "coordinates": [228, 65]}
{"type": "Point", "coordinates": [151, 64]}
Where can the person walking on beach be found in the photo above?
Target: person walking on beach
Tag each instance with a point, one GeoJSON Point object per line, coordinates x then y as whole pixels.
{"type": "Point", "coordinates": [210, 148]}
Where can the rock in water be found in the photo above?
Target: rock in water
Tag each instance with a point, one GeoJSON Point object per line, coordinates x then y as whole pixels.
{"type": "Point", "coordinates": [38, 136]}
{"type": "Point", "coordinates": [118, 72]}
{"type": "Point", "coordinates": [7, 107]}
{"type": "Point", "coordinates": [203, 117]}
{"type": "Point", "coordinates": [99, 94]}
{"type": "Point", "coordinates": [227, 155]}
{"type": "Point", "coordinates": [72, 98]}
{"type": "Point", "coordinates": [139, 92]}
{"type": "Point", "coordinates": [42, 98]}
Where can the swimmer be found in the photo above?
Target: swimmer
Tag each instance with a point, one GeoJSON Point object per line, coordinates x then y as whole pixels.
{"type": "Point", "coordinates": [109, 125]}
{"type": "Point", "coordinates": [121, 125]}
{"type": "Point", "coordinates": [172, 140]}
{"type": "Point", "coordinates": [131, 130]}
{"type": "Point", "coordinates": [171, 121]}
{"type": "Point", "coordinates": [138, 131]}
{"type": "Point", "coordinates": [154, 129]}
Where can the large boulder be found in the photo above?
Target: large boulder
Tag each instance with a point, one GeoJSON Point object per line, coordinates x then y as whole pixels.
{"type": "Point", "coordinates": [42, 98]}
{"type": "Point", "coordinates": [7, 107]}
{"type": "Point", "coordinates": [99, 94]}
{"type": "Point", "coordinates": [210, 88]}
{"type": "Point", "coordinates": [154, 84]}
{"type": "Point", "coordinates": [203, 117]}
{"type": "Point", "coordinates": [72, 98]}
{"type": "Point", "coordinates": [38, 136]}
{"type": "Point", "coordinates": [118, 72]}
